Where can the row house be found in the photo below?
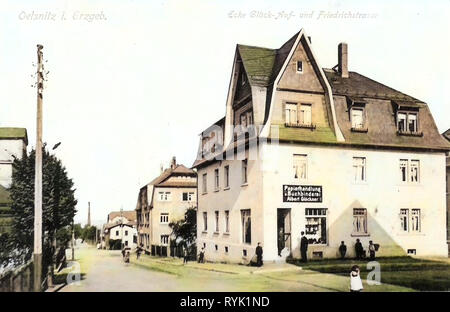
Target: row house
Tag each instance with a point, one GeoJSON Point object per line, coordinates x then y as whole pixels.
{"type": "Point", "coordinates": [162, 201]}
{"type": "Point", "coordinates": [326, 151]}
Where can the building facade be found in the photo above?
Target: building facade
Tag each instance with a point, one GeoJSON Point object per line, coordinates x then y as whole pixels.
{"type": "Point", "coordinates": [325, 151]}
{"type": "Point", "coordinates": [162, 201]}
{"type": "Point", "coordinates": [13, 143]}
{"type": "Point", "coordinates": [120, 225]}
{"type": "Point", "coordinates": [446, 135]}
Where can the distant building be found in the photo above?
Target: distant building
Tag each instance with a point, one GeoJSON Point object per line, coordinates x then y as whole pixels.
{"type": "Point", "coordinates": [120, 225]}
{"type": "Point", "coordinates": [446, 135]}
{"type": "Point", "coordinates": [13, 143]}
{"type": "Point", "coordinates": [164, 200]}
{"type": "Point", "coordinates": [338, 156]}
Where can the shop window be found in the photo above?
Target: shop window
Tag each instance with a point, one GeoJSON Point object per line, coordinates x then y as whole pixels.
{"type": "Point", "coordinates": [316, 225]}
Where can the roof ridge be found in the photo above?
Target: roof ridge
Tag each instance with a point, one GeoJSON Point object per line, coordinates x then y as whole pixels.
{"type": "Point", "coordinates": [256, 47]}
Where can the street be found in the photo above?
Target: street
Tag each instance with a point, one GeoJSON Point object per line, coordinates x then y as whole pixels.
{"type": "Point", "coordinates": [104, 270]}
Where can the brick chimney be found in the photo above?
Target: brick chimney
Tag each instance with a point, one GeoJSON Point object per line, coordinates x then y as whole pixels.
{"type": "Point", "coordinates": [343, 59]}
{"type": "Point", "coordinates": [173, 164]}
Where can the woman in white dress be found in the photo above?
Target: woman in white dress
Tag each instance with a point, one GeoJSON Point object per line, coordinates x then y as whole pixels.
{"type": "Point", "coordinates": [355, 280]}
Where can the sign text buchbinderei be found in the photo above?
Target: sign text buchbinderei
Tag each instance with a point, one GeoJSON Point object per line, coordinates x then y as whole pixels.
{"type": "Point", "coordinates": [302, 193]}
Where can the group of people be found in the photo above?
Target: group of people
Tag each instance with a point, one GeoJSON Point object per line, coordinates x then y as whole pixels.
{"type": "Point", "coordinates": [359, 250]}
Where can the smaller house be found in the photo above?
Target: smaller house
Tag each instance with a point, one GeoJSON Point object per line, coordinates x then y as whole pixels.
{"type": "Point", "coordinates": [162, 201]}
{"type": "Point", "coordinates": [121, 225]}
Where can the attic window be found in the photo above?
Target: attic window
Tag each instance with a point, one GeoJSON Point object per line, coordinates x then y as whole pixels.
{"type": "Point", "coordinates": [357, 114]}
{"type": "Point", "coordinates": [243, 78]}
{"type": "Point", "coordinates": [407, 123]}
{"type": "Point", "coordinates": [299, 67]}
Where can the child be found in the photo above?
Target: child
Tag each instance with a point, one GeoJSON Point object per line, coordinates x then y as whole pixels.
{"type": "Point", "coordinates": [355, 280]}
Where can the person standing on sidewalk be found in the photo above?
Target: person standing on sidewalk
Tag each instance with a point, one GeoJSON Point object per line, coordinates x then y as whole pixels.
{"type": "Point", "coordinates": [259, 255]}
{"type": "Point", "coordinates": [342, 250]}
{"type": "Point", "coordinates": [371, 251]}
{"type": "Point", "coordinates": [185, 255]}
{"type": "Point", "coordinates": [304, 247]}
{"type": "Point", "coordinates": [201, 256]}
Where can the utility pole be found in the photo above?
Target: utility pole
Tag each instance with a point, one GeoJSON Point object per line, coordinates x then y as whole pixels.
{"type": "Point", "coordinates": [73, 241]}
{"type": "Point", "coordinates": [89, 214]}
{"type": "Point", "coordinates": [121, 227]}
{"type": "Point", "coordinates": [37, 253]}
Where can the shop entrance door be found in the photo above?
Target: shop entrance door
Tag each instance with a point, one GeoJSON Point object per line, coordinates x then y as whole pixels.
{"type": "Point", "coordinates": [284, 229]}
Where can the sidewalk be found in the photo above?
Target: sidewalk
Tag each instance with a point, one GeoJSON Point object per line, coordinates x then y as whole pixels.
{"type": "Point", "coordinates": [229, 268]}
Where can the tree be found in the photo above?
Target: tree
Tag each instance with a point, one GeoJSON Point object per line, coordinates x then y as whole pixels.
{"type": "Point", "coordinates": [78, 230]}
{"type": "Point", "coordinates": [58, 207]}
{"type": "Point", "coordinates": [88, 233]}
{"type": "Point", "coordinates": [186, 229]}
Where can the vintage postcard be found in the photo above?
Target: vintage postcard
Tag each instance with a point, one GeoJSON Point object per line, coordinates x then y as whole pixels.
{"type": "Point", "coordinates": [224, 146]}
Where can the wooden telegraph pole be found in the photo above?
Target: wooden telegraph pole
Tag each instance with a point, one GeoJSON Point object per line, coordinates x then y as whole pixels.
{"type": "Point", "coordinates": [37, 254]}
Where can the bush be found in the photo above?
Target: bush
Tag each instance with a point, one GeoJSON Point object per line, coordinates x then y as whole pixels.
{"type": "Point", "coordinates": [115, 244]}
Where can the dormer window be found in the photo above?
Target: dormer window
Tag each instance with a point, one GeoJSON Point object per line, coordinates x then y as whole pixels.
{"type": "Point", "coordinates": [298, 115]}
{"type": "Point", "coordinates": [407, 118]}
{"type": "Point", "coordinates": [244, 120]}
{"type": "Point", "coordinates": [407, 123]}
{"type": "Point", "coordinates": [401, 122]}
{"type": "Point", "coordinates": [291, 113]}
{"type": "Point", "coordinates": [243, 78]}
{"type": "Point", "coordinates": [305, 114]}
{"type": "Point", "coordinates": [357, 118]}
{"type": "Point", "coordinates": [412, 122]}
{"type": "Point", "coordinates": [299, 67]}
{"type": "Point", "coordinates": [357, 114]}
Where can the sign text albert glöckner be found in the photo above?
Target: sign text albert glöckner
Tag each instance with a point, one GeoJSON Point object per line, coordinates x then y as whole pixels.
{"type": "Point", "coordinates": [302, 193]}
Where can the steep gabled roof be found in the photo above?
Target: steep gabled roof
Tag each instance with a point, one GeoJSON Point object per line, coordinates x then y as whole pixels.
{"type": "Point", "coordinates": [178, 170]}
{"type": "Point", "coordinates": [446, 134]}
{"type": "Point", "coordinates": [263, 64]}
{"type": "Point", "coordinates": [129, 215]}
{"type": "Point", "coordinates": [258, 63]}
{"type": "Point", "coordinates": [357, 85]}
{"type": "Point", "coordinates": [13, 133]}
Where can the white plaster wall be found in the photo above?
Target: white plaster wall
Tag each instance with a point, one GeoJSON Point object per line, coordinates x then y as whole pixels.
{"type": "Point", "coordinates": [175, 208]}
{"type": "Point", "coordinates": [234, 199]}
{"type": "Point", "coordinates": [8, 149]}
{"type": "Point", "coordinates": [118, 231]}
{"type": "Point", "coordinates": [383, 195]}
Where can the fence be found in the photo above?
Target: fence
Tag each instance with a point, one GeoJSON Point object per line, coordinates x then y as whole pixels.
{"type": "Point", "coordinates": [18, 279]}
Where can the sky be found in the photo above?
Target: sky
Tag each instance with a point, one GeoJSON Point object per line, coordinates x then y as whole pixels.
{"type": "Point", "coordinates": [133, 83]}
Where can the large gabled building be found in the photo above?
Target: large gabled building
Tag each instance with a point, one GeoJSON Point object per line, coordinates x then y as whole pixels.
{"type": "Point", "coordinates": [162, 201]}
{"type": "Point", "coordinates": [329, 152]}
